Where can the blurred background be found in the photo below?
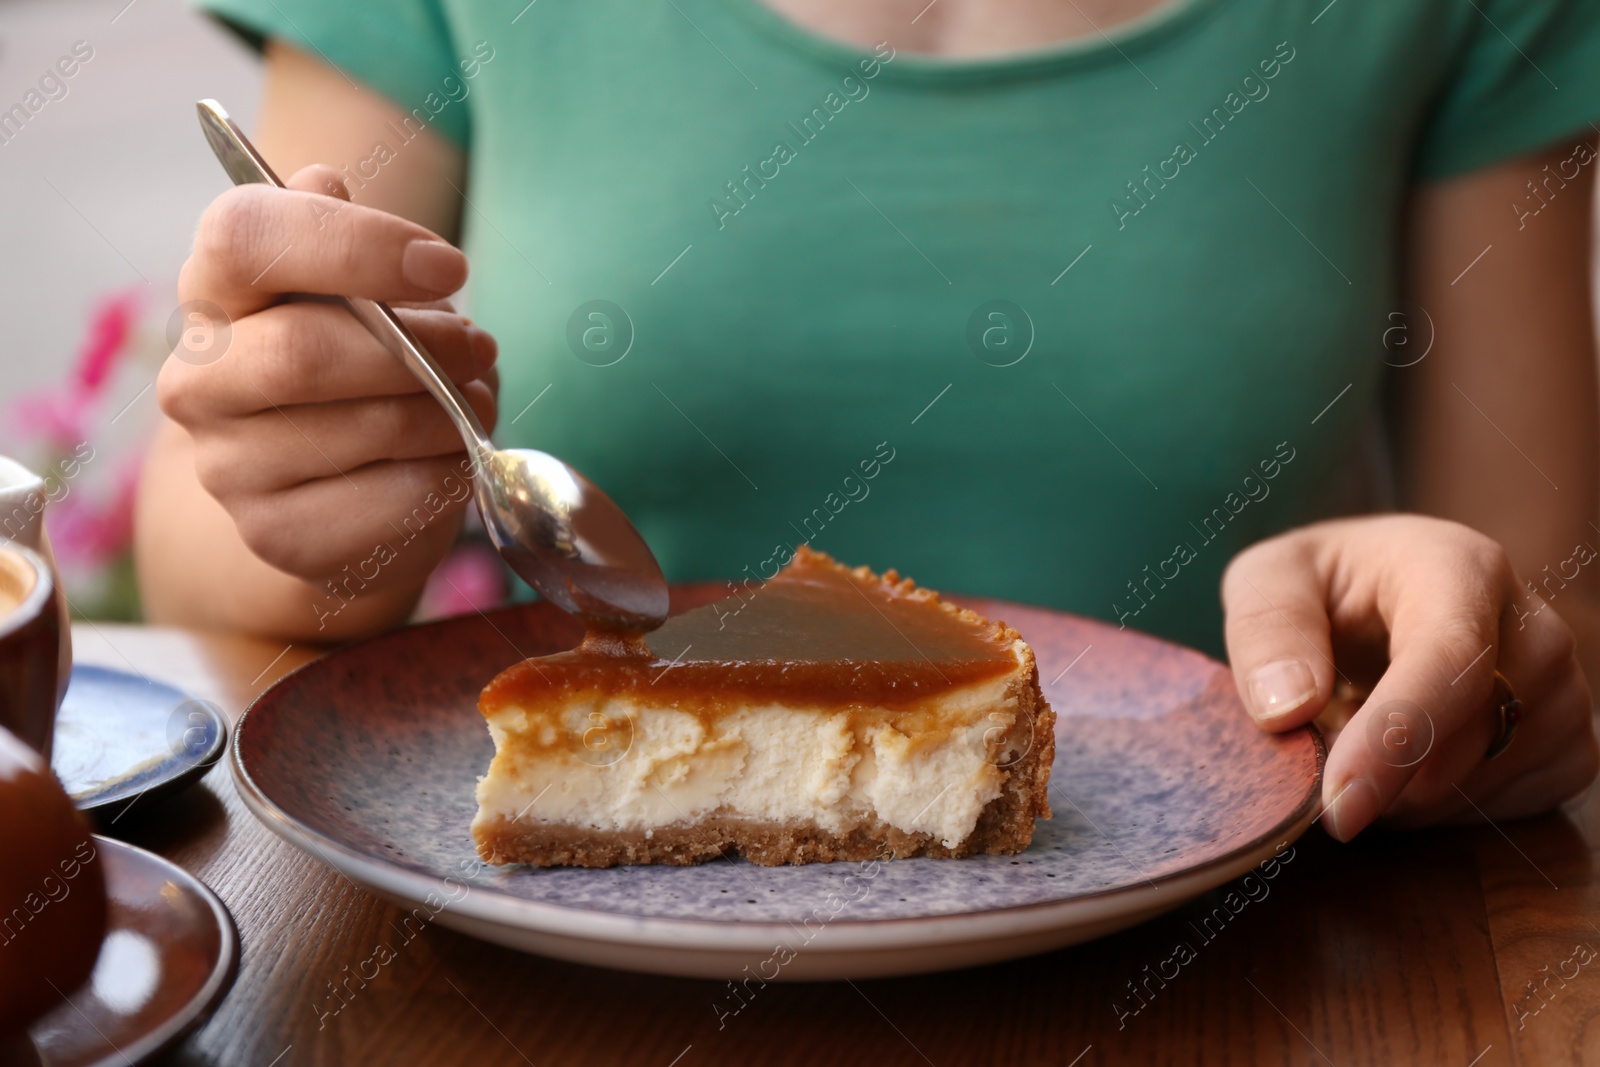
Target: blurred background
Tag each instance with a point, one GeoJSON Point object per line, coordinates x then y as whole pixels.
{"type": "Point", "coordinates": [101, 187]}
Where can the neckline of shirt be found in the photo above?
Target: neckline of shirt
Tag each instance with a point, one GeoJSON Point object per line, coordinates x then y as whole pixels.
{"type": "Point", "coordinates": [1116, 44]}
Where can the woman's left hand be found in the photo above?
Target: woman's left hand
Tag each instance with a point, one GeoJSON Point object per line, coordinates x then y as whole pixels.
{"type": "Point", "coordinates": [1423, 612]}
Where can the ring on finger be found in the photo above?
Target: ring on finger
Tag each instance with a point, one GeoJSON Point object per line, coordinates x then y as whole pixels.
{"type": "Point", "coordinates": [1508, 709]}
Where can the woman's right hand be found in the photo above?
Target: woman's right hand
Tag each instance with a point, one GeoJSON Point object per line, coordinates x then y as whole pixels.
{"type": "Point", "coordinates": [316, 440]}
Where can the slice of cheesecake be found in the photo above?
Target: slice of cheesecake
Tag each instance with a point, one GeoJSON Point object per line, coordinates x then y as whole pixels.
{"type": "Point", "coordinates": [828, 714]}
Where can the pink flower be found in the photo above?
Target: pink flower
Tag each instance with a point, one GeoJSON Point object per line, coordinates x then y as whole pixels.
{"type": "Point", "coordinates": [87, 533]}
{"type": "Point", "coordinates": [56, 419]}
{"type": "Point", "coordinates": [108, 334]}
{"type": "Point", "coordinates": [471, 578]}
{"type": "Point", "coordinates": [59, 415]}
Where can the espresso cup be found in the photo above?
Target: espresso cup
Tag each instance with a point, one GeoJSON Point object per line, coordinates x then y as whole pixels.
{"type": "Point", "coordinates": [24, 498]}
{"type": "Point", "coordinates": [30, 645]}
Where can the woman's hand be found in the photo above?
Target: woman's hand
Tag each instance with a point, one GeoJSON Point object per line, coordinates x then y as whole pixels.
{"type": "Point", "coordinates": [316, 440]}
{"type": "Point", "coordinates": [1423, 612]}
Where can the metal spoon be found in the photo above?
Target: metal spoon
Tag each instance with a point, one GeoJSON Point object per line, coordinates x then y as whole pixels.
{"type": "Point", "coordinates": [553, 527]}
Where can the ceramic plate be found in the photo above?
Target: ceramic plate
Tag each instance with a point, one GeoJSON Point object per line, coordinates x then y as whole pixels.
{"type": "Point", "coordinates": [120, 737]}
{"type": "Point", "coordinates": [170, 954]}
{"type": "Point", "coordinates": [1162, 788]}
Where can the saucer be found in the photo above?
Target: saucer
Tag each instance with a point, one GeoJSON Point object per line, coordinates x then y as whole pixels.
{"type": "Point", "coordinates": [120, 737]}
{"type": "Point", "coordinates": [170, 954]}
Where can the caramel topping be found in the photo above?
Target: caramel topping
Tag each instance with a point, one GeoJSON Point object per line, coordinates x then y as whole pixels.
{"type": "Point", "coordinates": [613, 643]}
{"type": "Point", "coordinates": [817, 634]}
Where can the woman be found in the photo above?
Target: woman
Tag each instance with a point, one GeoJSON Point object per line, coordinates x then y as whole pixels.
{"type": "Point", "coordinates": [1115, 295]}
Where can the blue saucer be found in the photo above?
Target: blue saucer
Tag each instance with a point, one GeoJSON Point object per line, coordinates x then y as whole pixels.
{"type": "Point", "coordinates": [120, 737]}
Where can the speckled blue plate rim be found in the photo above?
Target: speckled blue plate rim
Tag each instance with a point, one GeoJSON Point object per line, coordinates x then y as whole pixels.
{"type": "Point", "coordinates": [503, 909]}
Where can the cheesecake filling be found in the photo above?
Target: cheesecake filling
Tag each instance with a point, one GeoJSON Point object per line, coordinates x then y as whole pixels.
{"type": "Point", "coordinates": [621, 762]}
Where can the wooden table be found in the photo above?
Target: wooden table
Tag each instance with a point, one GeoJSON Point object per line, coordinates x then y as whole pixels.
{"type": "Point", "coordinates": [1453, 947]}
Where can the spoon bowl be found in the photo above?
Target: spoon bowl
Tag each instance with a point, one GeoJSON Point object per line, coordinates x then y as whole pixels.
{"type": "Point", "coordinates": [568, 540]}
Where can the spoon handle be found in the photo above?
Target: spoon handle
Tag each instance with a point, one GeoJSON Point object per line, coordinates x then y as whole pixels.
{"type": "Point", "coordinates": [245, 165]}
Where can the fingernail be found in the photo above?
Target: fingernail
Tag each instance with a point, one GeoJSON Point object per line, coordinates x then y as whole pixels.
{"type": "Point", "coordinates": [434, 266]}
{"type": "Point", "coordinates": [1352, 809]}
{"type": "Point", "coordinates": [1279, 687]}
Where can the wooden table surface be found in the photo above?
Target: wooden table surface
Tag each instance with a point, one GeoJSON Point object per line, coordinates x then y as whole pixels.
{"type": "Point", "coordinates": [1454, 947]}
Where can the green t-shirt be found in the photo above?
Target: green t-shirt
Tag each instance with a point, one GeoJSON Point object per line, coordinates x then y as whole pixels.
{"type": "Point", "coordinates": [1069, 328]}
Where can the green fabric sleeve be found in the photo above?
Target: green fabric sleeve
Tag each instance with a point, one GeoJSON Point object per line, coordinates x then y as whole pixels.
{"type": "Point", "coordinates": [401, 48]}
{"type": "Point", "coordinates": [1529, 75]}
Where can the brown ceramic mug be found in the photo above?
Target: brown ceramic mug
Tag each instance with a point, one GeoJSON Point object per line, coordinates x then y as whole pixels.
{"type": "Point", "coordinates": [30, 643]}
